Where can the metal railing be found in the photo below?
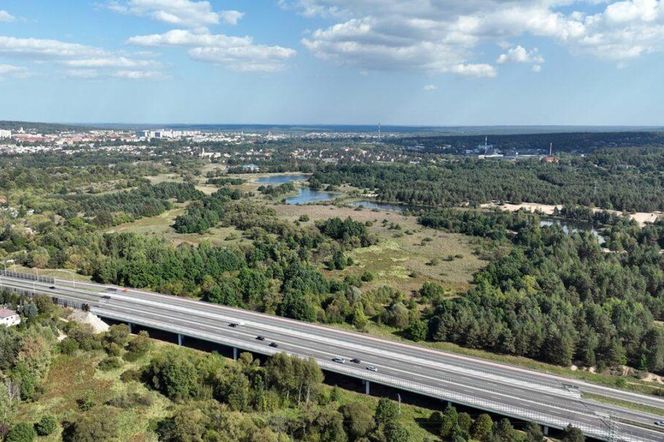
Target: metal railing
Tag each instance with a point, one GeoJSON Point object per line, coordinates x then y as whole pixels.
{"type": "Point", "coordinates": [27, 276]}
{"type": "Point", "coordinates": [601, 430]}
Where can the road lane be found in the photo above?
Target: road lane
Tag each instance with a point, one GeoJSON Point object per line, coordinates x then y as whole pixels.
{"type": "Point", "coordinates": [512, 386]}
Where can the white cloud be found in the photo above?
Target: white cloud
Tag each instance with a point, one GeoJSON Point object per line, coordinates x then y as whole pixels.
{"type": "Point", "coordinates": [473, 70]}
{"type": "Point", "coordinates": [181, 13]}
{"type": "Point", "coordinates": [444, 36]}
{"type": "Point", "coordinates": [9, 70]}
{"type": "Point", "coordinates": [137, 75]}
{"type": "Point", "coordinates": [430, 87]}
{"type": "Point", "coordinates": [519, 54]}
{"type": "Point", "coordinates": [6, 16]}
{"type": "Point", "coordinates": [82, 61]}
{"type": "Point", "coordinates": [238, 53]}
{"type": "Point", "coordinates": [231, 17]}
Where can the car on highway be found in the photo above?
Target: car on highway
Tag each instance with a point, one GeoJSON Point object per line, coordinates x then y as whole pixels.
{"type": "Point", "coordinates": [355, 361]}
{"type": "Point", "coordinates": [260, 338]}
{"type": "Point", "coordinates": [274, 345]}
{"type": "Point", "coordinates": [233, 324]}
{"type": "Point", "coordinates": [659, 423]}
{"type": "Point", "coordinates": [105, 297]}
{"type": "Point", "coordinates": [372, 368]}
{"type": "Point", "coordinates": [111, 289]}
{"type": "Point", "coordinates": [52, 287]}
{"type": "Point", "coordinates": [339, 360]}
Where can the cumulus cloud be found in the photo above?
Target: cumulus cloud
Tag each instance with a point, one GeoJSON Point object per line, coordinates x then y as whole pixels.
{"type": "Point", "coordinates": [181, 13]}
{"type": "Point", "coordinates": [444, 36]}
{"type": "Point", "coordinates": [519, 54]}
{"type": "Point", "coordinates": [238, 53]}
{"type": "Point", "coordinates": [430, 87]}
{"type": "Point", "coordinates": [6, 16]}
{"type": "Point", "coordinates": [81, 61]}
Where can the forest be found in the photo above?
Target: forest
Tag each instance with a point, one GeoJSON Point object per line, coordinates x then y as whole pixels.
{"type": "Point", "coordinates": [623, 180]}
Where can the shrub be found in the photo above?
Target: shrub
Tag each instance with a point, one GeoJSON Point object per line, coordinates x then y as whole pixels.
{"type": "Point", "coordinates": [68, 346]}
{"type": "Point", "coordinates": [46, 425]}
{"type": "Point", "coordinates": [22, 432]}
{"type": "Point", "coordinates": [110, 363]}
{"type": "Point", "coordinates": [131, 375]}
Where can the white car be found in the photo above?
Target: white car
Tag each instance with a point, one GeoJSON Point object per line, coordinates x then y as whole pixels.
{"type": "Point", "coordinates": [372, 368]}
{"type": "Point", "coordinates": [339, 360]}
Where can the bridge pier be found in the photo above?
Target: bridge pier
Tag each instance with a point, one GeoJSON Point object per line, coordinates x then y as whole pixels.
{"type": "Point", "coordinates": [545, 430]}
{"type": "Point", "coordinates": [235, 353]}
{"type": "Point", "coordinates": [130, 327]}
{"type": "Point", "coordinates": [180, 339]}
{"type": "Point", "coordinates": [367, 387]}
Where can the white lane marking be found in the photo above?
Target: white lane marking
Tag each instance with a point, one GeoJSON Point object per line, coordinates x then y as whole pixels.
{"type": "Point", "coordinates": [420, 361]}
{"type": "Point", "coordinates": [438, 353]}
{"type": "Point", "coordinates": [303, 349]}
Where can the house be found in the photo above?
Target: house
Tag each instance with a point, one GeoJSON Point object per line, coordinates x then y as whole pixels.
{"type": "Point", "coordinates": [9, 318]}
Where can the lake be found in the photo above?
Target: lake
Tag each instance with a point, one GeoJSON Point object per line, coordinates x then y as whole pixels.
{"type": "Point", "coordinates": [306, 195]}
{"type": "Point", "coordinates": [281, 179]}
{"type": "Point", "coordinates": [569, 227]}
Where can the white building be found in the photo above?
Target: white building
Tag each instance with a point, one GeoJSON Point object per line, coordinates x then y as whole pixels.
{"type": "Point", "coordinates": [5, 133]}
{"type": "Point", "coordinates": [9, 318]}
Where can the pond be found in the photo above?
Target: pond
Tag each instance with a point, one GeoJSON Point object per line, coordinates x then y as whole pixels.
{"type": "Point", "coordinates": [281, 179]}
{"type": "Point", "coordinates": [374, 205]}
{"type": "Point", "coordinates": [306, 195]}
{"type": "Point", "coordinates": [571, 227]}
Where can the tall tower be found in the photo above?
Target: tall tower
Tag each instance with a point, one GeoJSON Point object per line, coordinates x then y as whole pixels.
{"type": "Point", "coordinates": [379, 131]}
{"type": "Point", "coordinates": [551, 149]}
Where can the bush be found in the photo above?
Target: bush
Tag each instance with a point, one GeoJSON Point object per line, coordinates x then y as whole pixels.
{"type": "Point", "coordinates": [131, 375]}
{"type": "Point", "coordinates": [46, 425]}
{"type": "Point", "coordinates": [110, 363]}
{"type": "Point", "coordinates": [68, 346]}
{"type": "Point", "coordinates": [367, 276]}
{"type": "Point", "coordinates": [22, 432]}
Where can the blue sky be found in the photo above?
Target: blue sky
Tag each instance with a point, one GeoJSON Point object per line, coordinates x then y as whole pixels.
{"type": "Point", "coordinates": [412, 62]}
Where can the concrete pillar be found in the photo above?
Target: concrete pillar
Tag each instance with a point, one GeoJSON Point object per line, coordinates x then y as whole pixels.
{"type": "Point", "coordinates": [180, 339]}
{"type": "Point", "coordinates": [545, 430]}
{"type": "Point", "coordinates": [235, 353]}
{"type": "Point", "coordinates": [367, 387]}
{"type": "Point", "coordinates": [130, 327]}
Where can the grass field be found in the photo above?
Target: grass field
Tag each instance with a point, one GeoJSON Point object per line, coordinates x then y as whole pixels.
{"type": "Point", "coordinates": [161, 225]}
{"type": "Point", "coordinates": [405, 257]}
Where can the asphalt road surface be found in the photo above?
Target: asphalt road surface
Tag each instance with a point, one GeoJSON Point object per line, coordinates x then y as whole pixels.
{"type": "Point", "coordinates": [511, 391]}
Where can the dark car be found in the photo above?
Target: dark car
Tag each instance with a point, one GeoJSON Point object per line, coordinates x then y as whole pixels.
{"type": "Point", "coordinates": [111, 289]}
{"type": "Point", "coordinates": [233, 324]}
{"type": "Point", "coordinates": [106, 297]}
{"type": "Point", "coordinates": [355, 361]}
{"type": "Point", "coordinates": [52, 287]}
{"type": "Point", "coordinates": [274, 344]}
{"type": "Point", "coordinates": [260, 338]}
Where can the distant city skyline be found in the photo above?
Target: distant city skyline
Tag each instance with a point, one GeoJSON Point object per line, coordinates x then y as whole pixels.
{"type": "Point", "coordinates": [354, 62]}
